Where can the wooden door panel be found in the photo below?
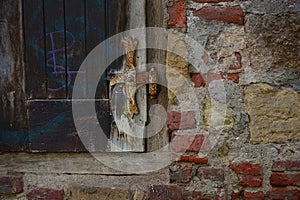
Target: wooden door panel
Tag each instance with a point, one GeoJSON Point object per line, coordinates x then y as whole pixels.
{"type": "Point", "coordinates": [35, 57]}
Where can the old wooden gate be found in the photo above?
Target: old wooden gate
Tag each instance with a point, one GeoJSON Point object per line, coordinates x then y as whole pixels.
{"type": "Point", "coordinates": [58, 34]}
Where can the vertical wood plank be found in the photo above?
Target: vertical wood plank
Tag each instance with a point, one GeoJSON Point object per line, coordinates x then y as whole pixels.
{"type": "Point", "coordinates": [55, 48]}
{"type": "Point", "coordinates": [51, 127]}
{"type": "Point", "coordinates": [155, 18]}
{"type": "Point", "coordinates": [36, 86]}
{"type": "Point", "coordinates": [13, 118]}
{"type": "Point", "coordinates": [116, 23]}
{"type": "Point", "coordinates": [131, 139]}
{"type": "Point", "coordinates": [75, 43]}
{"type": "Point", "coordinates": [95, 34]}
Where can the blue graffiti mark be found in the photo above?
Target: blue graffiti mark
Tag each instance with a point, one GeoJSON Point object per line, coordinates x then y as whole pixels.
{"type": "Point", "coordinates": [58, 54]}
{"type": "Point", "coordinates": [25, 137]}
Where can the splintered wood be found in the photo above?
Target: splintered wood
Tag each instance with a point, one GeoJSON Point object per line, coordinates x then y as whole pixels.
{"type": "Point", "coordinates": [128, 77]}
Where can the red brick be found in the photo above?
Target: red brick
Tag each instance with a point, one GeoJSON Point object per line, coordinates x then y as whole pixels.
{"type": "Point", "coordinates": [180, 121]}
{"type": "Point", "coordinates": [177, 14]}
{"type": "Point", "coordinates": [227, 14]}
{"type": "Point", "coordinates": [215, 174]}
{"type": "Point", "coordinates": [235, 195]}
{"type": "Point", "coordinates": [285, 179]}
{"type": "Point", "coordinates": [286, 165]}
{"type": "Point", "coordinates": [253, 195]}
{"type": "Point", "coordinates": [251, 181]}
{"type": "Point", "coordinates": [212, 1]}
{"type": "Point", "coordinates": [11, 184]}
{"type": "Point", "coordinates": [246, 168]}
{"type": "Point", "coordinates": [283, 193]}
{"type": "Point", "coordinates": [198, 80]}
{"type": "Point", "coordinates": [181, 173]}
{"type": "Point", "coordinates": [160, 192]}
{"type": "Point", "coordinates": [234, 77]}
{"type": "Point", "coordinates": [34, 193]}
{"type": "Point", "coordinates": [190, 143]}
{"type": "Point", "coordinates": [191, 158]}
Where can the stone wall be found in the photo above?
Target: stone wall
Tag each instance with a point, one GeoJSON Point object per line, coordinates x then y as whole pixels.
{"type": "Point", "coordinates": [233, 114]}
{"type": "Point", "coordinates": [240, 136]}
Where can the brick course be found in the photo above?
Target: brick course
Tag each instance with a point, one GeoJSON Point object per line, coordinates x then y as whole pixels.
{"type": "Point", "coordinates": [34, 193]}
{"type": "Point", "coordinates": [177, 14]}
{"type": "Point", "coordinates": [251, 181]}
{"type": "Point", "coordinates": [246, 168]}
{"type": "Point", "coordinates": [227, 14]}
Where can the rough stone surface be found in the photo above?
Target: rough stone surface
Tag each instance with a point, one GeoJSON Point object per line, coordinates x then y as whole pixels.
{"type": "Point", "coordinates": [181, 173]}
{"type": "Point", "coordinates": [211, 1]}
{"type": "Point", "coordinates": [87, 193]}
{"type": "Point", "coordinates": [190, 143]}
{"type": "Point", "coordinates": [274, 43]}
{"type": "Point", "coordinates": [216, 113]}
{"type": "Point", "coordinates": [177, 72]}
{"type": "Point", "coordinates": [34, 192]}
{"type": "Point", "coordinates": [274, 114]}
{"type": "Point", "coordinates": [11, 184]}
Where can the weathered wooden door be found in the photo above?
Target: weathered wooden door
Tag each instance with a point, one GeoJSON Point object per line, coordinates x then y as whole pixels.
{"type": "Point", "coordinates": [58, 35]}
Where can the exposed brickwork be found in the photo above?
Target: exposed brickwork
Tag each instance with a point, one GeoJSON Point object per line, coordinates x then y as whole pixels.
{"type": "Point", "coordinates": [181, 173]}
{"type": "Point", "coordinates": [174, 192]}
{"type": "Point", "coordinates": [180, 121]}
{"type": "Point", "coordinates": [246, 168]}
{"type": "Point", "coordinates": [190, 158]}
{"type": "Point", "coordinates": [198, 80]}
{"type": "Point", "coordinates": [215, 174]}
{"type": "Point", "coordinates": [11, 184]}
{"type": "Point", "coordinates": [225, 14]}
{"type": "Point", "coordinates": [253, 195]}
{"type": "Point", "coordinates": [212, 1]}
{"type": "Point", "coordinates": [34, 193]}
{"type": "Point", "coordinates": [286, 165]}
{"type": "Point", "coordinates": [234, 77]}
{"type": "Point", "coordinates": [285, 179]}
{"type": "Point", "coordinates": [190, 143]}
{"type": "Point", "coordinates": [283, 193]}
{"type": "Point", "coordinates": [235, 195]}
{"type": "Point", "coordinates": [159, 192]}
{"type": "Point", "coordinates": [177, 14]}
{"type": "Point", "coordinates": [251, 181]}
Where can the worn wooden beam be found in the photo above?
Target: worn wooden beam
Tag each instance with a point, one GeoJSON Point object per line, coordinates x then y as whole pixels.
{"type": "Point", "coordinates": [13, 118]}
{"type": "Point", "coordinates": [155, 18]}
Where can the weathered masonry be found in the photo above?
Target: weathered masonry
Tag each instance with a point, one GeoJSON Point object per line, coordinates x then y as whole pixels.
{"type": "Point", "coordinates": [222, 95]}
